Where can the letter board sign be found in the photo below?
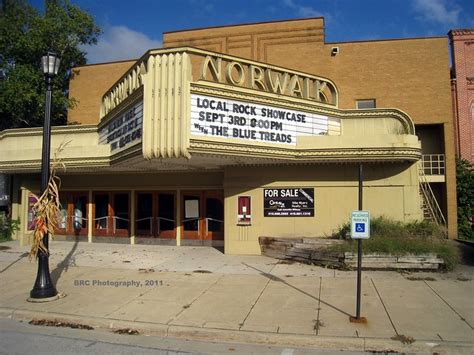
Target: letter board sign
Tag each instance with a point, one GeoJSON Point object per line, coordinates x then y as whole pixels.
{"type": "Point", "coordinates": [251, 122]}
{"type": "Point", "coordinates": [124, 130]}
{"type": "Point", "coordinates": [288, 202]}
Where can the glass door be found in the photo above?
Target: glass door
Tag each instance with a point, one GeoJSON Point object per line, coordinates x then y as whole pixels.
{"type": "Point", "coordinates": [166, 223]}
{"type": "Point", "coordinates": [101, 214]}
{"type": "Point", "coordinates": [78, 213]}
{"type": "Point", "coordinates": [145, 215]}
{"type": "Point", "coordinates": [63, 220]}
{"type": "Point", "coordinates": [191, 215]}
{"type": "Point", "coordinates": [73, 214]}
{"type": "Point", "coordinates": [156, 214]}
{"type": "Point", "coordinates": [203, 215]}
{"type": "Point", "coordinates": [121, 218]}
{"type": "Point", "coordinates": [214, 215]}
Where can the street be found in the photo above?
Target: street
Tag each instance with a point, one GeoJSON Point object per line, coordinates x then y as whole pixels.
{"type": "Point", "coordinates": [22, 338]}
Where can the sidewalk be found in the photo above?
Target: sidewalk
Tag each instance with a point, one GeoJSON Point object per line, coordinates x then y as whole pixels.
{"type": "Point", "coordinates": [199, 293]}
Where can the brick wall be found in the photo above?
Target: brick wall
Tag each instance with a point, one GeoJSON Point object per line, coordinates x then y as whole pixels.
{"type": "Point", "coordinates": [409, 74]}
{"type": "Point", "coordinates": [88, 84]}
{"type": "Point", "coordinates": [462, 46]}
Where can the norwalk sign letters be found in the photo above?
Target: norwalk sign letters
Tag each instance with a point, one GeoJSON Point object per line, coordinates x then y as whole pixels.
{"type": "Point", "coordinates": [269, 79]}
{"type": "Point", "coordinates": [224, 118]}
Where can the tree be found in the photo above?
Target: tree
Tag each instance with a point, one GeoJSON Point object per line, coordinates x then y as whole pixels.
{"type": "Point", "coordinates": [465, 193]}
{"type": "Point", "coordinates": [25, 35]}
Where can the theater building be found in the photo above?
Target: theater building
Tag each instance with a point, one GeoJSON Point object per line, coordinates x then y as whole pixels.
{"type": "Point", "coordinates": [227, 134]}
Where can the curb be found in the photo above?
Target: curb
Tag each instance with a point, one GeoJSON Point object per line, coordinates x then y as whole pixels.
{"type": "Point", "coordinates": [247, 337]}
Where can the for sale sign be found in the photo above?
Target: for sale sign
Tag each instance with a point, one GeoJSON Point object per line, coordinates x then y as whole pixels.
{"type": "Point", "coordinates": [288, 202]}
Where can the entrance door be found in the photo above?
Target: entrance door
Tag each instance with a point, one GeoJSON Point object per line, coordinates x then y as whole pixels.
{"type": "Point", "coordinates": [73, 214]}
{"type": "Point", "coordinates": [111, 214]}
{"type": "Point", "coordinates": [214, 215]}
{"type": "Point", "coordinates": [192, 215]}
{"type": "Point", "coordinates": [165, 216]}
{"type": "Point", "coordinates": [156, 215]}
{"type": "Point", "coordinates": [203, 215]}
{"type": "Point", "coordinates": [144, 219]}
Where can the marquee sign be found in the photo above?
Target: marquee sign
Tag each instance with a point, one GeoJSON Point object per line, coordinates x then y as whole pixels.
{"type": "Point", "coordinates": [124, 130]}
{"type": "Point", "coordinates": [225, 118]}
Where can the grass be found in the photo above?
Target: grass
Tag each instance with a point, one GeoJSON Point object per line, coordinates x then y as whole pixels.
{"type": "Point", "coordinates": [398, 238]}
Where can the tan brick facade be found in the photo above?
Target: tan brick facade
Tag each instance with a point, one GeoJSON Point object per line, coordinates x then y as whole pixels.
{"type": "Point", "coordinates": [87, 86]}
{"type": "Point", "coordinates": [462, 46]}
{"type": "Point", "coordinates": [408, 74]}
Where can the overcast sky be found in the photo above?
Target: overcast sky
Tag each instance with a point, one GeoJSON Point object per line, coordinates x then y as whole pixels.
{"type": "Point", "coordinates": [130, 28]}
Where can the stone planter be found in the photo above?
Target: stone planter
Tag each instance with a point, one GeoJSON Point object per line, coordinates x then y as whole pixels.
{"type": "Point", "coordinates": [381, 261]}
{"type": "Point", "coordinates": [314, 251]}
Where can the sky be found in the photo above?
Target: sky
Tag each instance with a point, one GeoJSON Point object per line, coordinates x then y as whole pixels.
{"type": "Point", "coordinates": [130, 28]}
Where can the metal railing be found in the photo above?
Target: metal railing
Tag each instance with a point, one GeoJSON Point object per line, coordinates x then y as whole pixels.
{"type": "Point", "coordinates": [115, 219]}
{"type": "Point", "coordinates": [99, 222]}
{"type": "Point", "coordinates": [67, 220]}
{"type": "Point", "coordinates": [433, 164]}
{"type": "Point", "coordinates": [150, 223]}
{"type": "Point", "coordinates": [208, 219]}
{"type": "Point", "coordinates": [193, 219]}
{"type": "Point", "coordinates": [164, 219]}
{"type": "Point", "coordinates": [150, 220]}
{"type": "Point", "coordinates": [430, 206]}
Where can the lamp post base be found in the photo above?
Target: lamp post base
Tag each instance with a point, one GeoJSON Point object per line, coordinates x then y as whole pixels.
{"type": "Point", "coordinates": [42, 300]}
{"type": "Point", "coordinates": [43, 287]}
{"type": "Point", "coordinates": [43, 293]}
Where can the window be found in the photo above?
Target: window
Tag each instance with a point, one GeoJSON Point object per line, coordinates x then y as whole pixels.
{"type": "Point", "coordinates": [366, 103]}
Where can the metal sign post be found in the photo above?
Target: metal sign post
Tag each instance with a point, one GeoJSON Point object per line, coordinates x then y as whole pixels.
{"type": "Point", "coordinates": [360, 229]}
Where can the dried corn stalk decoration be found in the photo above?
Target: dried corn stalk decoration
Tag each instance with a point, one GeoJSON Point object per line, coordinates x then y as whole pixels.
{"type": "Point", "coordinates": [47, 208]}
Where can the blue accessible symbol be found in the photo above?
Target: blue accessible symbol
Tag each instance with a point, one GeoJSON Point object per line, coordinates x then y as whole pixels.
{"type": "Point", "coordinates": [360, 227]}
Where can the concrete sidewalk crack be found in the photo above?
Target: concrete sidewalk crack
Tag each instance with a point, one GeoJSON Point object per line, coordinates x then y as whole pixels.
{"type": "Point", "coordinates": [319, 307]}
{"type": "Point", "coordinates": [260, 295]}
{"type": "Point", "coordinates": [447, 303]}
{"type": "Point", "coordinates": [195, 299]}
{"type": "Point", "coordinates": [129, 301]}
{"type": "Point", "coordinates": [383, 304]}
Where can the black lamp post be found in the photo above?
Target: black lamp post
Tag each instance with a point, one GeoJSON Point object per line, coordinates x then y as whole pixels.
{"type": "Point", "coordinates": [43, 287]}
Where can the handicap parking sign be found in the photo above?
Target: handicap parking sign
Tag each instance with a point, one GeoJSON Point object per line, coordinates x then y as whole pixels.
{"type": "Point", "coordinates": [360, 225]}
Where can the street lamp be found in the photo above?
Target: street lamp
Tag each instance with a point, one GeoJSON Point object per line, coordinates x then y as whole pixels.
{"type": "Point", "coordinates": [43, 288]}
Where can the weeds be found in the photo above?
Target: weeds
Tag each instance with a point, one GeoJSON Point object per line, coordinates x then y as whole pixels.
{"type": "Point", "coordinates": [398, 238]}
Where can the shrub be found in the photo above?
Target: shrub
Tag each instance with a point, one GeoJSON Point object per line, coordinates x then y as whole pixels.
{"type": "Point", "coordinates": [398, 238]}
{"type": "Point", "coordinates": [7, 228]}
{"type": "Point", "coordinates": [465, 198]}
